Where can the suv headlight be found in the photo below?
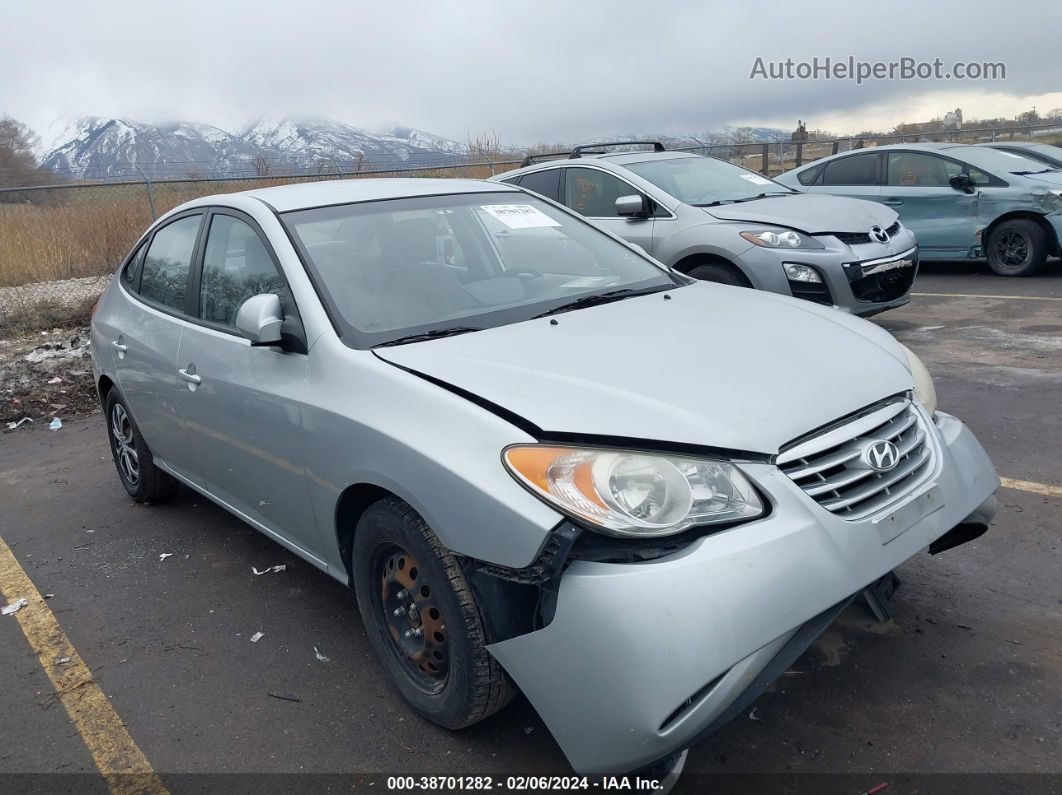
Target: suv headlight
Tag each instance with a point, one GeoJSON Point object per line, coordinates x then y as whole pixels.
{"type": "Point", "coordinates": [780, 238]}
{"type": "Point", "coordinates": [634, 494]}
{"type": "Point", "coordinates": [924, 391]}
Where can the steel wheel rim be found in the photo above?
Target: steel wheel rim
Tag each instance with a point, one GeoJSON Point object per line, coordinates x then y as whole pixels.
{"type": "Point", "coordinates": [1012, 248]}
{"type": "Point", "coordinates": [124, 445]}
{"type": "Point", "coordinates": [412, 619]}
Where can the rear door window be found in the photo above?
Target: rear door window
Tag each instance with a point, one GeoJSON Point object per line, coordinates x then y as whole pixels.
{"type": "Point", "coordinates": [168, 262]}
{"type": "Point", "coordinates": [545, 183]}
{"type": "Point", "coordinates": [853, 170]}
{"type": "Point", "coordinates": [131, 272]}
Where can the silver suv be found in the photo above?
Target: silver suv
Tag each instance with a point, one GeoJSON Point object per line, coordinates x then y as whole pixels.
{"type": "Point", "coordinates": [716, 221]}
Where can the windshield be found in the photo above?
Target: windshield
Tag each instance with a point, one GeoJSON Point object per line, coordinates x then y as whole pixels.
{"type": "Point", "coordinates": [999, 161]}
{"type": "Point", "coordinates": [433, 265]}
{"type": "Point", "coordinates": [704, 181]}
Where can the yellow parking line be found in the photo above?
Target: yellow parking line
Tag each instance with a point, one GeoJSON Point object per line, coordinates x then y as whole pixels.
{"type": "Point", "coordinates": [1029, 485]}
{"type": "Point", "coordinates": [1001, 297]}
{"type": "Point", "coordinates": [118, 758]}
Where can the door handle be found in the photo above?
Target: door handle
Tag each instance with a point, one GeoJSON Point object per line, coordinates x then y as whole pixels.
{"type": "Point", "coordinates": [119, 346]}
{"type": "Point", "coordinates": [191, 378]}
{"type": "Point", "coordinates": [893, 202]}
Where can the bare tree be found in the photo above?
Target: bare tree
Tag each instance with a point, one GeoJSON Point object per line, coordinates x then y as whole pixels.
{"type": "Point", "coordinates": [739, 135]}
{"type": "Point", "coordinates": [261, 164]}
{"type": "Point", "coordinates": [18, 165]}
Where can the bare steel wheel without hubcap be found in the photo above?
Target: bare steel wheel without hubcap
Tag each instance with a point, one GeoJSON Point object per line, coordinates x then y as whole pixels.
{"type": "Point", "coordinates": [125, 445]}
{"type": "Point", "coordinates": [413, 618]}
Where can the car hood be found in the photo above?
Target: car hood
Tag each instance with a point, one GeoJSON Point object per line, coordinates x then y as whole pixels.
{"type": "Point", "coordinates": [809, 213]}
{"type": "Point", "coordinates": [715, 366]}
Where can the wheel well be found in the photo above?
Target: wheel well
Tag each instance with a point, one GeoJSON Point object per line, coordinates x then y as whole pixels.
{"type": "Point", "coordinates": [686, 264]}
{"type": "Point", "coordinates": [103, 388]}
{"type": "Point", "coordinates": [1052, 239]}
{"type": "Point", "coordinates": [353, 502]}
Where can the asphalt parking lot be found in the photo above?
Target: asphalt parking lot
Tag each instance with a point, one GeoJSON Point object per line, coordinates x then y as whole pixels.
{"type": "Point", "coordinates": [965, 679]}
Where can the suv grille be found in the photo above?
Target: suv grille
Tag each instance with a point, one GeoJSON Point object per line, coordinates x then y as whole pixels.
{"type": "Point", "coordinates": [855, 238]}
{"type": "Point", "coordinates": [830, 469]}
{"type": "Point", "coordinates": [883, 286]}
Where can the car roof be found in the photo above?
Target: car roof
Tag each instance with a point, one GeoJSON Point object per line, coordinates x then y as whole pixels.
{"type": "Point", "coordinates": [1022, 145]}
{"type": "Point", "coordinates": [304, 195]}
{"type": "Point", "coordinates": [607, 160]}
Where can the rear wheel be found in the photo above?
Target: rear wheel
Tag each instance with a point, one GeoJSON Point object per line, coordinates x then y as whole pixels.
{"type": "Point", "coordinates": [1017, 248]}
{"type": "Point", "coordinates": [144, 481]}
{"type": "Point", "coordinates": [722, 274]}
{"type": "Point", "coordinates": [422, 618]}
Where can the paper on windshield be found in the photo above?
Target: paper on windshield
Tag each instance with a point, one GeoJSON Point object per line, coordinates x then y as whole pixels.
{"type": "Point", "coordinates": [755, 179]}
{"type": "Point", "coordinates": [519, 216]}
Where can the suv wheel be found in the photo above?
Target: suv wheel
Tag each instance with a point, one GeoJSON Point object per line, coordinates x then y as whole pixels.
{"type": "Point", "coordinates": [144, 481]}
{"type": "Point", "coordinates": [1017, 248]}
{"type": "Point", "coordinates": [422, 618]}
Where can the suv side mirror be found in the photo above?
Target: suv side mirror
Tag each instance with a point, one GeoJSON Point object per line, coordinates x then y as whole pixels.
{"type": "Point", "coordinates": [260, 318]}
{"type": "Point", "coordinates": [962, 182]}
{"type": "Point", "coordinates": [634, 206]}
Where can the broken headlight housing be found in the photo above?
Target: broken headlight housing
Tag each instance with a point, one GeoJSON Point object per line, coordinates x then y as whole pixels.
{"type": "Point", "coordinates": [634, 494]}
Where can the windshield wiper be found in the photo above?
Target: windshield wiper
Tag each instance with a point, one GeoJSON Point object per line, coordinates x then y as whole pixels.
{"type": "Point", "coordinates": [1029, 173]}
{"type": "Point", "coordinates": [749, 198]}
{"type": "Point", "coordinates": [429, 335]}
{"type": "Point", "coordinates": [601, 298]}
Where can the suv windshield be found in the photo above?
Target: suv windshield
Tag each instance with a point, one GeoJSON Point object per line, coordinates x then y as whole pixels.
{"type": "Point", "coordinates": [704, 181]}
{"type": "Point", "coordinates": [436, 265]}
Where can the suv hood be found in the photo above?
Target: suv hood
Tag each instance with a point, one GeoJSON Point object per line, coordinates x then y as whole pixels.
{"type": "Point", "coordinates": [715, 366]}
{"type": "Point", "coordinates": [809, 213]}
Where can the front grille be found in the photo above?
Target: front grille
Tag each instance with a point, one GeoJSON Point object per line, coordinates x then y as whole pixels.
{"type": "Point", "coordinates": [887, 285]}
{"type": "Point", "coordinates": [829, 467]}
{"type": "Point", "coordinates": [856, 238]}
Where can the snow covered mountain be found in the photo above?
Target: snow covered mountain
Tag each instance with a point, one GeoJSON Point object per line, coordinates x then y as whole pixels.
{"type": "Point", "coordinates": [95, 148]}
{"type": "Point", "coordinates": [99, 148]}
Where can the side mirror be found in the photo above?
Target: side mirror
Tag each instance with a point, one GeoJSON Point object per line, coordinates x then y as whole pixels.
{"type": "Point", "coordinates": [961, 182]}
{"type": "Point", "coordinates": [259, 319]}
{"type": "Point", "coordinates": [634, 206]}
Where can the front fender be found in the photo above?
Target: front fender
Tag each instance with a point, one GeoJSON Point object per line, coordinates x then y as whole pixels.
{"type": "Point", "coordinates": [370, 422]}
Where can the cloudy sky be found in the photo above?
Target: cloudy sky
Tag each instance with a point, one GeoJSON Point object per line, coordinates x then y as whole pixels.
{"type": "Point", "coordinates": [533, 71]}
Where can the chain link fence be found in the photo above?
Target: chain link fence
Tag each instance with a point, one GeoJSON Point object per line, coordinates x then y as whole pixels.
{"type": "Point", "coordinates": [59, 244]}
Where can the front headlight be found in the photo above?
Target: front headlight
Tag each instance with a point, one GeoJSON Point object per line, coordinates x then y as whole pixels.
{"type": "Point", "coordinates": [634, 494]}
{"type": "Point", "coordinates": [924, 391]}
{"type": "Point", "coordinates": [780, 238]}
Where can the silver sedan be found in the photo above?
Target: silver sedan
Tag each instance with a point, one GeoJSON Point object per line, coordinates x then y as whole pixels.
{"type": "Point", "coordinates": [540, 459]}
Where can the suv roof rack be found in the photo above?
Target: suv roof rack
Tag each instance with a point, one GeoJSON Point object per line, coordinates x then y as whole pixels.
{"type": "Point", "coordinates": [531, 159]}
{"type": "Point", "coordinates": [578, 151]}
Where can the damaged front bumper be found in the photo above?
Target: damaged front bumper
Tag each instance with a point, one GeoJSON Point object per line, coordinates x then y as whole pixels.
{"type": "Point", "coordinates": [643, 659]}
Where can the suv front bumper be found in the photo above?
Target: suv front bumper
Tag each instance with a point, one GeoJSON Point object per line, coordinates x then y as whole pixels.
{"type": "Point", "coordinates": [643, 659]}
{"type": "Point", "coordinates": [841, 269]}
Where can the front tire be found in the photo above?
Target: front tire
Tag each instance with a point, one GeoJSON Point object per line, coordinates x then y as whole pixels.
{"type": "Point", "coordinates": [422, 618]}
{"type": "Point", "coordinates": [143, 481]}
{"type": "Point", "coordinates": [1017, 248]}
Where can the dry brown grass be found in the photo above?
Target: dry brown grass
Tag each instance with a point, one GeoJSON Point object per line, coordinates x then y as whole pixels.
{"type": "Point", "coordinates": [86, 231]}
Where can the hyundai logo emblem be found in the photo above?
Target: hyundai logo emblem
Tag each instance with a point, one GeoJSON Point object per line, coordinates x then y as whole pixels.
{"type": "Point", "coordinates": [879, 234]}
{"type": "Point", "coordinates": [881, 456]}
